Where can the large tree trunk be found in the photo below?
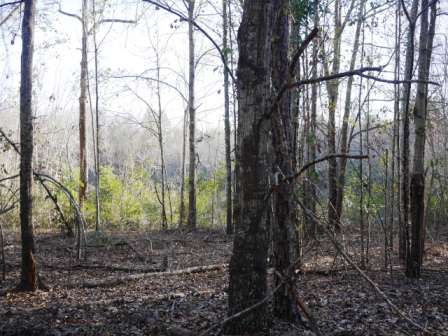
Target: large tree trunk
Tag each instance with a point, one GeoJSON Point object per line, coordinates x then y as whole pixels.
{"type": "Point", "coordinates": [286, 238]}
{"type": "Point", "coordinates": [417, 186]}
{"type": "Point", "coordinates": [29, 276]}
{"type": "Point", "coordinates": [192, 111]}
{"type": "Point", "coordinates": [248, 265]}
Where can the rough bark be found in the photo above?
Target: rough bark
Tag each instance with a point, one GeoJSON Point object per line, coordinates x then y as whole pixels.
{"type": "Point", "coordinates": [192, 112]}
{"type": "Point", "coordinates": [417, 185]}
{"type": "Point", "coordinates": [409, 64]}
{"type": "Point", "coordinates": [286, 238]}
{"type": "Point", "coordinates": [29, 276]}
{"type": "Point", "coordinates": [248, 265]}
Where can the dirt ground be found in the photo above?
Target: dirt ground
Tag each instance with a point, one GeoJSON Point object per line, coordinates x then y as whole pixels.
{"type": "Point", "coordinates": [156, 283]}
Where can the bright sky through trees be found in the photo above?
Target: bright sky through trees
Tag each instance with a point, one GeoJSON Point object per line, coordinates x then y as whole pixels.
{"type": "Point", "coordinates": [124, 50]}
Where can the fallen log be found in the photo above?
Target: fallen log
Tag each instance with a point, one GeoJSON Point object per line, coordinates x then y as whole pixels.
{"type": "Point", "coordinates": [113, 281]}
{"type": "Point", "coordinates": [111, 268]}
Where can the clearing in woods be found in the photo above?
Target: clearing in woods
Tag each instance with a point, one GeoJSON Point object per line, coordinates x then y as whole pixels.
{"type": "Point", "coordinates": [174, 283]}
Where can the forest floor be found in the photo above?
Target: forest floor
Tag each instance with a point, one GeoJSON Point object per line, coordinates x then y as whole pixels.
{"type": "Point", "coordinates": [155, 283]}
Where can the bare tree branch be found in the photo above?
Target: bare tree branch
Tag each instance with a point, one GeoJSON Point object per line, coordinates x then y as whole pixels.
{"type": "Point", "coordinates": [116, 21]}
{"type": "Point", "coordinates": [12, 143]}
{"type": "Point", "coordinates": [9, 177]}
{"type": "Point", "coordinates": [184, 18]}
{"type": "Point", "coordinates": [11, 3]}
{"type": "Point", "coordinates": [152, 79]}
{"type": "Point", "coordinates": [9, 15]}
{"type": "Point", "coordinates": [288, 179]}
{"type": "Point", "coordinates": [357, 72]}
{"type": "Point", "coordinates": [292, 69]}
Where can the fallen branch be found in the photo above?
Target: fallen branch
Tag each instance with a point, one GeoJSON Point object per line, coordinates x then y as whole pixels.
{"type": "Point", "coordinates": [140, 255]}
{"type": "Point", "coordinates": [114, 281]}
{"type": "Point", "coordinates": [341, 250]}
{"type": "Point", "coordinates": [111, 268]}
{"type": "Point", "coordinates": [304, 308]}
{"type": "Point", "coordinates": [307, 312]}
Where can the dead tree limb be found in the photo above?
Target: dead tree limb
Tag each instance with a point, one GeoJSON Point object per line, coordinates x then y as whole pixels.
{"type": "Point", "coordinates": [111, 268]}
{"type": "Point", "coordinates": [135, 249]}
{"type": "Point", "coordinates": [79, 217]}
{"type": "Point", "coordinates": [341, 250]}
{"type": "Point", "coordinates": [114, 281]}
{"type": "Point", "coordinates": [307, 312]}
{"type": "Point", "coordinates": [68, 226]}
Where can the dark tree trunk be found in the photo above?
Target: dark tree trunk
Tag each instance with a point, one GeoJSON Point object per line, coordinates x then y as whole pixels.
{"type": "Point", "coordinates": [333, 93]}
{"type": "Point", "coordinates": [409, 64]}
{"type": "Point", "coordinates": [192, 111]}
{"type": "Point", "coordinates": [286, 238]}
{"type": "Point", "coordinates": [248, 265]}
{"type": "Point", "coordinates": [417, 186]}
{"type": "Point", "coordinates": [29, 276]}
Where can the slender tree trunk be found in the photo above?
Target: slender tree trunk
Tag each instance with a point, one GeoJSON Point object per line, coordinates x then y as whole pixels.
{"type": "Point", "coordinates": [345, 142]}
{"type": "Point", "coordinates": [248, 265]}
{"type": "Point", "coordinates": [161, 149]}
{"type": "Point", "coordinates": [96, 142]}
{"type": "Point", "coordinates": [361, 181]}
{"type": "Point", "coordinates": [286, 239]}
{"type": "Point", "coordinates": [312, 140]}
{"type": "Point", "coordinates": [234, 102]}
{"type": "Point", "coordinates": [192, 111]}
{"type": "Point", "coordinates": [82, 110]}
{"type": "Point", "coordinates": [182, 172]}
{"type": "Point", "coordinates": [395, 185]}
{"type": "Point", "coordinates": [409, 64]}
{"type": "Point", "coordinates": [417, 186]}
{"type": "Point", "coordinates": [333, 94]}
{"type": "Point", "coordinates": [229, 219]}
{"type": "Point", "coordinates": [29, 276]}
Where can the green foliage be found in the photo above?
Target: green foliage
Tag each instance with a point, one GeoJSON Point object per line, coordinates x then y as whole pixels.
{"type": "Point", "coordinates": [129, 200]}
{"type": "Point", "coordinates": [302, 10]}
{"type": "Point", "coordinates": [210, 199]}
{"type": "Point", "coordinates": [126, 202]}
